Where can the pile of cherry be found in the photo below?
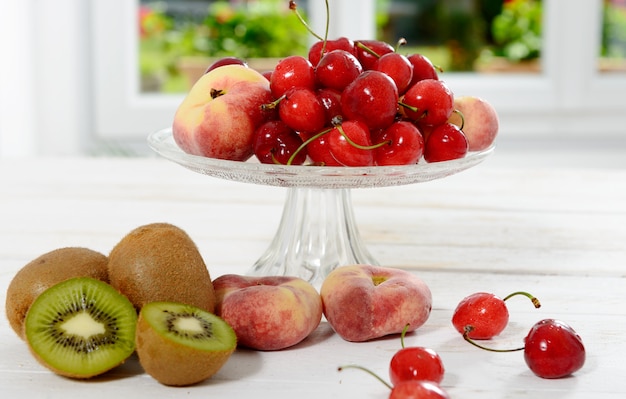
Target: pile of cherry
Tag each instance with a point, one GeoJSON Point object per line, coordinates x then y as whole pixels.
{"type": "Point", "coordinates": [358, 103]}
{"type": "Point", "coordinates": [552, 349]}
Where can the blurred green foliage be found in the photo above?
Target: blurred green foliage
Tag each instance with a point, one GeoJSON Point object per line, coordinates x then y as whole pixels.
{"type": "Point", "coordinates": [516, 31]}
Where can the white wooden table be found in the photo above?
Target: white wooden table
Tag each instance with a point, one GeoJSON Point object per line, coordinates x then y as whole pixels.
{"type": "Point", "coordinates": [557, 232]}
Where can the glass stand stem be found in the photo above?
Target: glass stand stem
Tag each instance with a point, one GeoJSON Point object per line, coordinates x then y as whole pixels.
{"type": "Point", "coordinates": [317, 233]}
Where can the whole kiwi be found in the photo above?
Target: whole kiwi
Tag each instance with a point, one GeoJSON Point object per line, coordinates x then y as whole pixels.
{"type": "Point", "coordinates": [45, 271]}
{"type": "Point", "coordinates": [160, 262]}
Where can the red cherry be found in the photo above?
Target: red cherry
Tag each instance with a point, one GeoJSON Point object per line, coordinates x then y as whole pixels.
{"type": "Point", "coordinates": [319, 152]}
{"type": "Point", "coordinates": [337, 69]}
{"type": "Point", "coordinates": [416, 363]}
{"type": "Point", "coordinates": [409, 389]}
{"type": "Point", "coordinates": [422, 68]}
{"type": "Point", "coordinates": [368, 51]}
{"type": "Point", "coordinates": [428, 102]}
{"type": "Point", "coordinates": [302, 111]}
{"type": "Point", "coordinates": [331, 100]}
{"type": "Point", "coordinates": [552, 349]}
{"type": "Point", "coordinates": [371, 98]}
{"type": "Point", "coordinates": [342, 43]}
{"type": "Point", "coordinates": [350, 144]}
{"type": "Point", "coordinates": [446, 142]}
{"type": "Point", "coordinates": [484, 315]}
{"type": "Point", "coordinates": [418, 390]}
{"type": "Point", "coordinates": [275, 142]}
{"type": "Point", "coordinates": [398, 67]}
{"type": "Point", "coordinates": [405, 144]}
{"type": "Point", "coordinates": [226, 61]}
{"type": "Point", "coordinates": [292, 72]}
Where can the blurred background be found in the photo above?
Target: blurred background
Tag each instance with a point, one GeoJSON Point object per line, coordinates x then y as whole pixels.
{"type": "Point", "coordinates": [93, 78]}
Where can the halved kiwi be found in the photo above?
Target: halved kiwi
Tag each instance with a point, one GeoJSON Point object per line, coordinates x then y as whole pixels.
{"type": "Point", "coordinates": [81, 327]}
{"type": "Point", "coordinates": [181, 344]}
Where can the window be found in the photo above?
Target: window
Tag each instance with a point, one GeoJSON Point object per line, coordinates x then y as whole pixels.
{"type": "Point", "coordinates": [95, 95]}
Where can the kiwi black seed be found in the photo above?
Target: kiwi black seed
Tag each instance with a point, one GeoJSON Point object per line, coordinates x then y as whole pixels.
{"type": "Point", "coordinates": [81, 327]}
{"type": "Point", "coordinates": [46, 270]}
{"type": "Point", "coordinates": [180, 344]}
{"type": "Point", "coordinates": [160, 262]}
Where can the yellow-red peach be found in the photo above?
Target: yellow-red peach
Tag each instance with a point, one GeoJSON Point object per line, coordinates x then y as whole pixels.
{"type": "Point", "coordinates": [268, 313]}
{"type": "Point", "coordinates": [363, 302]}
{"type": "Point", "coordinates": [220, 113]}
{"type": "Point", "coordinates": [480, 121]}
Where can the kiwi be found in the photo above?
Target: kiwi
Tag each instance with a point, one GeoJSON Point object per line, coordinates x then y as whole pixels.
{"type": "Point", "coordinates": [81, 327]}
{"type": "Point", "coordinates": [160, 262]}
{"type": "Point", "coordinates": [180, 344]}
{"type": "Point", "coordinates": [45, 271]}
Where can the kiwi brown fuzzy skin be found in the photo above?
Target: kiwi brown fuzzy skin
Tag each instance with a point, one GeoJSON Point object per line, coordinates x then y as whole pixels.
{"type": "Point", "coordinates": [160, 262]}
{"type": "Point", "coordinates": [45, 271]}
{"type": "Point", "coordinates": [172, 363]}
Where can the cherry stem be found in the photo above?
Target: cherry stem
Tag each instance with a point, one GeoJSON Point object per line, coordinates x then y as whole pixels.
{"type": "Point", "coordinates": [273, 104]}
{"type": "Point", "coordinates": [460, 114]}
{"type": "Point", "coordinates": [370, 372]}
{"type": "Point", "coordinates": [404, 331]}
{"type": "Point", "coordinates": [401, 42]}
{"type": "Point", "coordinates": [305, 143]}
{"type": "Point", "coordinates": [359, 146]}
{"type": "Point", "coordinates": [469, 329]}
{"type": "Point", "coordinates": [294, 7]}
{"type": "Point", "coordinates": [367, 49]}
{"type": "Point", "coordinates": [532, 298]}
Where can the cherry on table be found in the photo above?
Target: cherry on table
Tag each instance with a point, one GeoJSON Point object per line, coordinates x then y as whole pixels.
{"type": "Point", "coordinates": [552, 349]}
{"type": "Point", "coordinates": [414, 389]}
{"type": "Point", "coordinates": [484, 314]}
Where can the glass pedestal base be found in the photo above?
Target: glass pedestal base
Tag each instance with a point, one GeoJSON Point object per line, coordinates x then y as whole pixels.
{"type": "Point", "coordinates": [316, 234]}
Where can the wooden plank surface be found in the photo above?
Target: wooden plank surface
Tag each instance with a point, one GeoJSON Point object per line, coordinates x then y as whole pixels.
{"type": "Point", "coordinates": [559, 232]}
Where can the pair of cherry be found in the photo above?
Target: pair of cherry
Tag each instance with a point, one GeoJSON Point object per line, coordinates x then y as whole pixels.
{"type": "Point", "coordinates": [415, 372]}
{"type": "Point", "coordinates": [552, 349]}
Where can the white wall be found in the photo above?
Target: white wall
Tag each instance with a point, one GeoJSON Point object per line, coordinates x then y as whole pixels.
{"type": "Point", "coordinates": [45, 77]}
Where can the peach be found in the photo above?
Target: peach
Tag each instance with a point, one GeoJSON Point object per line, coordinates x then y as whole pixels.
{"type": "Point", "coordinates": [480, 121]}
{"type": "Point", "coordinates": [268, 313]}
{"type": "Point", "coordinates": [221, 112]}
{"type": "Point", "coordinates": [363, 302]}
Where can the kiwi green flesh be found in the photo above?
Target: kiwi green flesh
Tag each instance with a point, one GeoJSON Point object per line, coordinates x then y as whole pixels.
{"type": "Point", "coordinates": [190, 326]}
{"type": "Point", "coordinates": [81, 327]}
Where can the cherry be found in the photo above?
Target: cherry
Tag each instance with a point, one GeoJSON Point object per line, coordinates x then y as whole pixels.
{"type": "Point", "coordinates": [409, 389]}
{"type": "Point", "coordinates": [428, 102]}
{"type": "Point", "coordinates": [225, 61]}
{"type": "Point", "coordinates": [484, 315]}
{"type": "Point", "coordinates": [349, 143]}
{"type": "Point", "coordinates": [337, 69]}
{"type": "Point", "coordinates": [372, 98]}
{"type": "Point", "coordinates": [291, 72]}
{"type": "Point", "coordinates": [445, 142]}
{"type": "Point", "coordinates": [422, 68]}
{"type": "Point", "coordinates": [418, 390]}
{"type": "Point", "coordinates": [398, 67]}
{"type": "Point", "coordinates": [302, 111]}
{"type": "Point", "coordinates": [553, 349]}
{"type": "Point", "coordinates": [415, 363]}
{"type": "Point", "coordinates": [319, 152]}
{"type": "Point", "coordinates": [404, 144]}
{"type": "Point", "coordinates": [342, 43]}
{"type": "Point", "coordinates": [275, 142]}
{"type": "Point", "coordinates": [369, 51]}
{"type": "Point", "coordinates": [331, 101]}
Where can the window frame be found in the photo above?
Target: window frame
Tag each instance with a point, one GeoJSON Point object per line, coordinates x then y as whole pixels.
{"type": "Point", "coordinates": [570, 97]}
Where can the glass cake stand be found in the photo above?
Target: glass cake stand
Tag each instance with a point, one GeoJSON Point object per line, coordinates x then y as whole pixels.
{"type": "Point", "coordinates": [317, 231]}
